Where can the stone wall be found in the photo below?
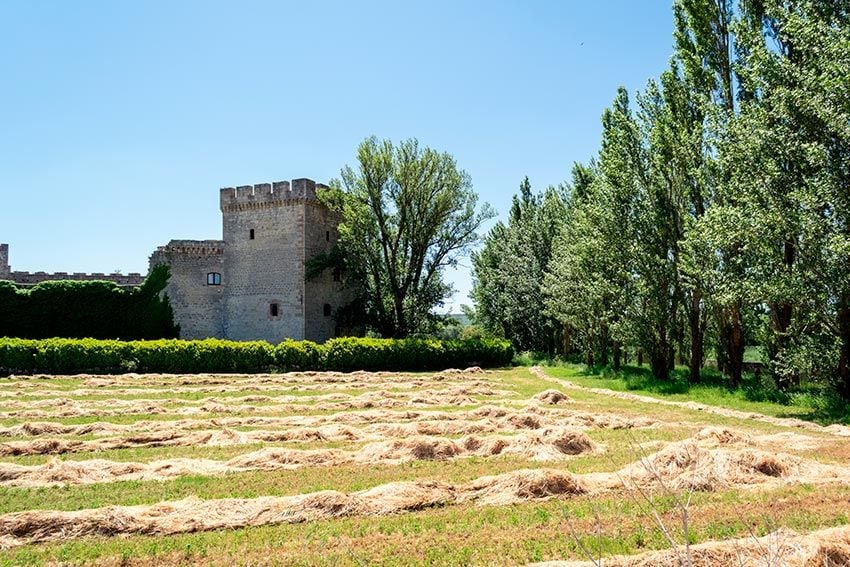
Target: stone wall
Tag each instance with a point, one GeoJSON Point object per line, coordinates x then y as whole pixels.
{"type": "Point", "coordinates": [320, 234]}
{"type": "Point", "coordinates": [5, 270]}
{"type": "Point", "coordinates": [32, 278]}
{"type": "Point", "coordinates": [197, 305]}
{"type": "Point", "coordinates": [268, 268]}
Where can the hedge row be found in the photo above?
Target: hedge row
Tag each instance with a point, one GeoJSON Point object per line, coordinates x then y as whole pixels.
{"type": "Point", "coordinates": [78, 309]}
{"type": "Point", "coordinates": [69, 356]}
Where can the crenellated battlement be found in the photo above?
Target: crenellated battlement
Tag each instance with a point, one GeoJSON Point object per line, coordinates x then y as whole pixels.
{"type": "Point", "coordinates": [166, 253]}
{"type": "Point", "coordinates": [263, 195]}
{"type": "Point", "coordinates": [31, 278]}
{"type": "Point", "coordinates": [194, 247]}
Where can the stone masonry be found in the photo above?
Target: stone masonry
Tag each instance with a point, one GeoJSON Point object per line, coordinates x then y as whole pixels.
{"type": "Point", "coordinates": [32, 278]}
{"type": "Point", "coordinates": [251, 285]}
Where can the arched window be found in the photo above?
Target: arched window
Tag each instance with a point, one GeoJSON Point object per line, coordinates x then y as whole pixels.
{"type": "Point", "coordinates": [213, 278]}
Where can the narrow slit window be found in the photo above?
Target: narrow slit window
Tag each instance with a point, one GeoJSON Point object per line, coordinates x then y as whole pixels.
{"type": "Point", "coordinates": [251, 234]}
{"type": "Point", "coordinates": [213, 278]}
{"type": "Point", "coordinates": [274, 309]}
{"type": "Point", "coordinates": [337, 275]}
{"type": "Point", "coordinates": [327, 309]}
{"type": "Point", "coordinates": [328, 235]}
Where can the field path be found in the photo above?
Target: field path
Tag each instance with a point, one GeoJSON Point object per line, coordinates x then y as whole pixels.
{"type": "Point", "coordinates": [835, 429]}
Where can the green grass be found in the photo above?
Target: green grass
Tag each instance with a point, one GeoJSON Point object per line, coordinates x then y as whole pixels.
{"type": "Point", "coordinates": [457, 535]}
{"type": "Point", "coordinates": [612, 522]}
{"type": "Point", "coordinates": [754, 395]}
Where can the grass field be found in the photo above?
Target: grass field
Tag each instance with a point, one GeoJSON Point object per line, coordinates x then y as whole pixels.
{"type": "Point", "coordinates": [512, 466]}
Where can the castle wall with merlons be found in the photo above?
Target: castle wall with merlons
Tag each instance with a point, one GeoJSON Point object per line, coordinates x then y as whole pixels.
{"type": "Point", "coordinates": [320, 235]}
{"type": "Point", "coordinates": [197, 305]}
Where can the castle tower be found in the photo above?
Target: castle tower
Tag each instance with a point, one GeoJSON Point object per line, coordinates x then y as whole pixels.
{"type": "Point", "coordinates": [269, 231]}
{"type": "Point", "coordinates": [5, 269]}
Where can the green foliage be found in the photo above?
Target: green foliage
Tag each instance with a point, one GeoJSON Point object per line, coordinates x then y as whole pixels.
{"type": "Point", "coordinates": [716, 214]}
{"type": "Point", "coordinates": [508, 271]}
{"type": "Point", "coordinates": [68, 356]}
{"type": "Point", "coordinates": [408, 212]}
{"type": "Point", "coordinates": [78, 309]}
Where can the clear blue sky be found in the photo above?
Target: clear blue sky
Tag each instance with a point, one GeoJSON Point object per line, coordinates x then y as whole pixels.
{"type": "Point", "coordinates": [120, 120]}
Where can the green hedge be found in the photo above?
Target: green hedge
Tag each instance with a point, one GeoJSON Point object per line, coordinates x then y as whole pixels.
{"type": "Point", "coordinates": [68, 356]}
{"type": "Point", "coordinates": [78, 309]}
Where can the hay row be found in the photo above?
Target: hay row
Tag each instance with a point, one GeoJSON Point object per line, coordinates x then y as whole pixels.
{"type": "Point", "coordinates": [529, 417]}
{"type": "Point", "coordinates": [308, 377]}
{"type": "Point", "coordinates": [834, 429]}
{"type": "Point", "coordinates": [484, 420]}
{"type": "Point", "coordinates": [546, 445]}
{"type": "Point", "coordinates": [66, 407]}
{"type": "Point", "coordinates": [823, 548]}
{"type": "Point", "coordinates": [680, 466]}
{"type": "Point", "coordinates": [193, 515]}
{"type": "Point", "coordinates": [476, 388]}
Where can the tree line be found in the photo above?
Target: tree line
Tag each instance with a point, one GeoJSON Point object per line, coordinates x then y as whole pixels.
{"type": "Point", "coordinates": [715, 215]}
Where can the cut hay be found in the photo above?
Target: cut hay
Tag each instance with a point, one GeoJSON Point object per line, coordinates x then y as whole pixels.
{"type": "Point", "coordinates": [522, 485]}
{"type": "Point", "coordinates": [552, 397]}
{"type": "Point", "coordinates": [418, 448]}
{"type": "Point", "coordinates": [193, 515]}
{"type": "Point", "coordinates": [688, 466]}
{"type": "Point", "coordinates": [837, 430]}
{"type": "Point", "coordinates": [824, 548]}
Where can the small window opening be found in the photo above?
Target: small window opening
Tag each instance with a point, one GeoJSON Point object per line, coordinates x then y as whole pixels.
{"type": "Point", "coordinates": [274, 309]}
{"type": "Point", "coordinates": [327, 309]}
{"type": "Point", "coordinates": [328, 235]}
{"type": "Point", "coordinates": [213, 278]}
{"type": "Point", "coordinates": [251, 234]}
{"type": "Point", "coordinates": [337, 275]}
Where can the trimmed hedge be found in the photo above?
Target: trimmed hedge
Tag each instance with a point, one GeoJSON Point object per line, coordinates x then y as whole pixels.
{"type": "Point", "coordinates": [69, 356]}
{"type": "Point", "coordinates": [78, 309]}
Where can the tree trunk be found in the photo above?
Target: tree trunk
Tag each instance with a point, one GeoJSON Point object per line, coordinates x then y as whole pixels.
{"type": "Point", "coordinates": [640, 357]}
{"type": "Point", "coordinates": [659, 363]}
{"type": "Point", "coordinates": [697, 337]}
{"type": "Point", "coordinates": [588, 357]}
{"type": "Point", "coordinates": [844, 333]}
{"type": "Point", "coordinates": [603, 345]}
{"type": "Point", "coordinates": [566, 340]}
{"type": "Point", "coordinates": [618, 355]}
{"type": "Point", "coordinates": [400, 324]}
{"type": "Point", "coordinates": [780, 318]}
{"type": "Point", "coordinates": [660, 355]}
{"type": "Point", "coordinates": [735, 348]}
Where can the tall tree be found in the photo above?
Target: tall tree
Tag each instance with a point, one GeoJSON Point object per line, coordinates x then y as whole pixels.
{"type": "Point", "coordinates": [508, 271]}
{"type": "Point", "coordinates": [408, 212]}
{"type": "Point", "coordinates": [706, 49]}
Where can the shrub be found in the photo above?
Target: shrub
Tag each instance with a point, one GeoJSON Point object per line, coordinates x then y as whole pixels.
{"type": "Point", "coordinates": [66, 356]}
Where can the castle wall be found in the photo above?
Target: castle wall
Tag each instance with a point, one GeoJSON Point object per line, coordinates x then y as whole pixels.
{"type": "Point", "coordinates": [197, 306]}
{"type": "Point", "coordinates": [268, 269]}
{"type": "Point", "coordinates": [5, 270]}
{"type": "Point", "coordinates": [320, 234]}
{"type": "Point", "coordinates": [32, 278]}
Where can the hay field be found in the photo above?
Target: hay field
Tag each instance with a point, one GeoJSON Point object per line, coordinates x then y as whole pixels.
{"type": "Point", "coordinates": [459, 467]}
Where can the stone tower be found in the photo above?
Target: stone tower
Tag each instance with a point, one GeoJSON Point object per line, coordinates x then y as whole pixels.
{"type": "Point", "coordinates": [251, 285]}
{"type": "Point", "coordinates": [5, 270]}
